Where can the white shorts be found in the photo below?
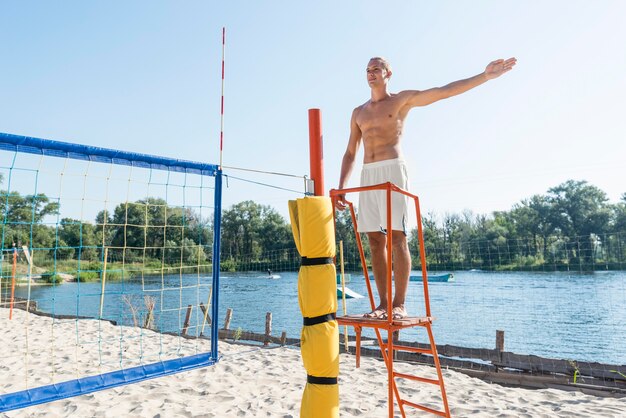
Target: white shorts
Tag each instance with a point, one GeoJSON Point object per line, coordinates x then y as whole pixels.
{"type": "Point", "coordinates": [373, 204]}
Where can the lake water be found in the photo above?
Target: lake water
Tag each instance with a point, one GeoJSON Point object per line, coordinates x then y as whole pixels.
{"type": "Point", "coordinates": [555, 315]}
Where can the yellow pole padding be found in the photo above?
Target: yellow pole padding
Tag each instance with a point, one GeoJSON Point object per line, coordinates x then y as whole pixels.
{"type": "Point", "coordinates": [314, 234]}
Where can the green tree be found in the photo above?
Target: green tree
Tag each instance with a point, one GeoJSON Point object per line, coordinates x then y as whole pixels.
{"type": "Point", "coordinates": [580, 212]}
{"type": "Point", "coordinates": [275, 233]}
{"type": "Point", "coordinates": [240, 231]}
{"type": "Point", "coordinates": [534, 221]}
{"type": "Point", "coordinates": [438, 252]}
{"type": "Point", "coordinates": [254, 233]}
{"type": "Point", "coordinates": [26, 209]}
{"type": "Point", "coordinates": [619, 216]}
{"type": "Point", "coordinates": [81, 237]}
{"type": "Point", "coordinates": [22, 218]}
{"type": "Point", "coordinates": [619, 227]}
{"type": "Point", "coordinates": [104, 228]}
{"type": "Point", "coordinates": [153, 229]}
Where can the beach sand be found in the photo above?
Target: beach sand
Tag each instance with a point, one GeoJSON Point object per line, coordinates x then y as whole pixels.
{"type": "Point", "coordinates": [247, 381]}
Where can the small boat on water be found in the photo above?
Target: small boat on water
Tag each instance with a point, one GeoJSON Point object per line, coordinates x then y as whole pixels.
{"type": "Point", "coordinates": [432, 278]}
{"type": "Point", "coordinates": [350, 294]}
{"type": "Point", "coordinates": [346, 277]}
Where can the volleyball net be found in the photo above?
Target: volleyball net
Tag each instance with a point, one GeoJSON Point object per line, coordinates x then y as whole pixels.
{"type": "Point", "coordinates": [117, 253]}
{"type": "Point", "coordinates": [548, 310]}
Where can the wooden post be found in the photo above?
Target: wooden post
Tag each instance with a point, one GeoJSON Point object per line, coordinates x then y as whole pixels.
{"type": "Point", "coordinates": [268, 328]}
{"type": "Point", "coordinates": [207, 318]}
{"type": "Point", "coordinates": [357, 349]}
{"type": "Point", "coordinates": [206, 311]}
{"type": "Point", "coordinates": [229, 315]}
{"type": "Point", "coordinates": [500, 340]}
{"type": "Point", "coordinates": [283, 338]}
{"type": "Point", "coordinates": [187, 318]}
{"type": "Point", "coordinates": [499, 345]}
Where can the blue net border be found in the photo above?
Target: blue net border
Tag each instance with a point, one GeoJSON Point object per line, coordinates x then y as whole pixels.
{"type": "Point", "coordinates": [62, 390]}
{"type": "Point", "coordinates": [70, 388]}
{"type": "Point", "coordinates": [30, 145]}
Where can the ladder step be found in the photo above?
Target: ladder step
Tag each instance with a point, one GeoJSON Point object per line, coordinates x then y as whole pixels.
{"type": "Point", "coordinates": [417, 378]}
{"type": "Point", "coordinates": [424, 408]}
{"type": "Point", "coordinates": [412, 349]}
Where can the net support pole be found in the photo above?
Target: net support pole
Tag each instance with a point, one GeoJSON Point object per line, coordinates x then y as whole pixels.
{"type": "Point", "coordinates": [316, 152]}
{"type": "Point", "coordinates": [222, 101]}
{"type": "Point", "coordinates": [313, 230]}
{"type": "Point", "coordinates": [217, 222]}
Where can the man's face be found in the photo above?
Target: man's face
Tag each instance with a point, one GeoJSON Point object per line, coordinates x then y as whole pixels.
{"type": "Point", "coordinates": [376, 73]}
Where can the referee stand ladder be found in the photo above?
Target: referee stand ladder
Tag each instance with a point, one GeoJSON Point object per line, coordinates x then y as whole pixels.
{"type": "Point", "coordinates": [388, 348]}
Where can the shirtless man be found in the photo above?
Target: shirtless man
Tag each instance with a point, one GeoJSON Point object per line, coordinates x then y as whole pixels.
{"type": "Point", "coordinates": [379, 123]}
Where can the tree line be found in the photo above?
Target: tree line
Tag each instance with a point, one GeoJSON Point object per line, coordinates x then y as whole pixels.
{"type": "Point", "coordinates": [572, 226]}
{"type": "Point", "coordinates": [147, 231]}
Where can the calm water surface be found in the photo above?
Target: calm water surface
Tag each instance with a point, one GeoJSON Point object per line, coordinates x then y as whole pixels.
{"type": "Point", "coordinates": [555, 315]}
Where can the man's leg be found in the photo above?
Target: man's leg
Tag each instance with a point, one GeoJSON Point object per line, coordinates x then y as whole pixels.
{"type": "Point", "coordinates": [378, 246]}
{"type": "Point", "coordinates": [401, 270]}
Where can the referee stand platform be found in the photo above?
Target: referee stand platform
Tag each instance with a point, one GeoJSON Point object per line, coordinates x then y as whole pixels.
{"type": "Point", "coordinates": [389, 325]}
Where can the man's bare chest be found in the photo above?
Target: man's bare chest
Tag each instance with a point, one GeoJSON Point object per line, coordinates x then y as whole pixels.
{"type": "Point", "coordinates": [379, 115]}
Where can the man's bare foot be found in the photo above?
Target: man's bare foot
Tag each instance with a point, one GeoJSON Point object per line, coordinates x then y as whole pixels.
{"type": "Point", "coordinates": [398, 312]}
{"type": "Point", "coordinates": [378, 313]}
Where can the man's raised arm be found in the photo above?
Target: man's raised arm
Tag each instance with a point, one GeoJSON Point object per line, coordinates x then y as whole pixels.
{"type": "Point", "coordinates": [493, 70]}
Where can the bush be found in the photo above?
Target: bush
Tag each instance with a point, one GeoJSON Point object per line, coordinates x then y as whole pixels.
{"type": "Point", "coordinates": [529, 260]}
{"type": "Point", "coordinates": [63, 251]}
{"type": "Point", "coordinates": [88, 276]}
{"type": "Point", "coordinates": [51, 277]}
{"type": "Point", "coordinates": [228, 265]}
{"type": "Point", "coordinates": [119, 274]}
{"type": "Point", "coordinates": [92, 265]}
{"type": "Point", "coordinates": [153, 264]}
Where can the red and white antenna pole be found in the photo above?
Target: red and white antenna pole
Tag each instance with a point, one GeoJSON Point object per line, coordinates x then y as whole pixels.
{"type": "Point", "coordinates": [222, 107]}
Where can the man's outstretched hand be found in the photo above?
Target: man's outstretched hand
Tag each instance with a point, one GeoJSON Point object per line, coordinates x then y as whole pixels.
{"type": "Point", "coordinates": [498, 67]}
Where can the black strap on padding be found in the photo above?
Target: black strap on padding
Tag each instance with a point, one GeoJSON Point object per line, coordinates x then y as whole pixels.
{"type": "Point", "coordinates": [308, 321]}
{"type": "Point", "coordinates": [315, 380]}
{"type": "Point", "coordinates": [306, 261]}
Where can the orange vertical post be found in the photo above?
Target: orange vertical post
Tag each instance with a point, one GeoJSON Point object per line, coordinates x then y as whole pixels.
{"type": "Point", "coordinates": [390, 380]}
{"type": "Point", "coordinates": [316, 152]}
{"type": "Point", "coordinates": [422, 252]}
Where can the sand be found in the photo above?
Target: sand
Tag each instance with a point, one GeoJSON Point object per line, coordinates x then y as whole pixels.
{"type": "Point", "coordinates": [247, 382]}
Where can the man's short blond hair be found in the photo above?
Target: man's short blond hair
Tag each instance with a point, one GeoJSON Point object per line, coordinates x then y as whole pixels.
{"type": "Point", "coordinates": [383, 62]}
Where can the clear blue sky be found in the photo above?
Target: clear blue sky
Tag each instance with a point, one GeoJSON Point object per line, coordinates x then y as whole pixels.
{"type": "Point", "coordinates": [145, 76]}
